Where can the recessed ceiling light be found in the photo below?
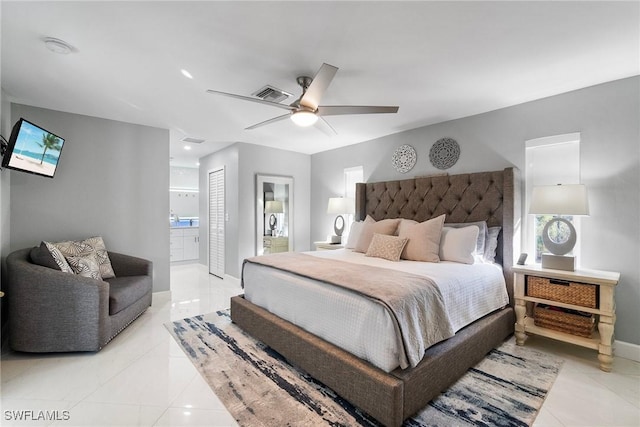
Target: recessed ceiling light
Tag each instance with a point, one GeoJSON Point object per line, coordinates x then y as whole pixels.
{"type": "Point", "coordinates": [197, 163]}
{"type": "Point", "coordinates": [58, 46]}
{"type": "Point", "coordinates": [187, 147]}
{"type": "Point", "coordinates": [186, 74]}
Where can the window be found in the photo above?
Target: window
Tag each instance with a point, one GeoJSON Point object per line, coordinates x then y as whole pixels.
{"type": "Point", "coordinates": [351, 177]}
{"type": "Point", "coordinates": [549, 161]}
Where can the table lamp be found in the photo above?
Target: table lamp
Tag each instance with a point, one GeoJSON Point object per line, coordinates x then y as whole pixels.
{"type": "Point", "coordinates": [273, 207]}
{"type": "Point", "coordinates": [559, 235]}
{"type": "Point", "coordinates": [339, 206]}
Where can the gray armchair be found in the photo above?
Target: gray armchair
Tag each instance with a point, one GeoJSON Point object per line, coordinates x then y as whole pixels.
{"type": "Point", "coordinates": [53, 311]}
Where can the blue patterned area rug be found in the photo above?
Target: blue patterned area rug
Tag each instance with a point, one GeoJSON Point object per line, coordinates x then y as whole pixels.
{"type": "Point", "coordinates": [259, 388]}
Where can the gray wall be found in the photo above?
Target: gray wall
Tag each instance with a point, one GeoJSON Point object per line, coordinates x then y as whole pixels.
{"type": "Point", "coordinates": [112, 180]}
{"type": "Point", "coordinates": [242, 162]}
{"type": "Point", "coordinates": [226, 158]}
{"type": "Point", "coordinates": [607, 118]}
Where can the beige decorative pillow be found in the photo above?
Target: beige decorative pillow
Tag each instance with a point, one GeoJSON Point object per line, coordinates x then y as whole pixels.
{"type": "Point", "coordinates": [85, 266]}
{"type": "Point", "coordinates": [371, 227]}
{"type": "Point", "coordinates": [102, 256]}
{"type": "Point", "coordinates": [387, 247]}
{"type": "Point", "coordinates": [424, 239]}
{"type": "Point", "coordinates": [459, 244]}
{"type": "Point", "coordinates": [83, 248]}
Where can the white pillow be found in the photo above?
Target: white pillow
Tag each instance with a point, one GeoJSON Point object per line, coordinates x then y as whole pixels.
{"type": "Point", "coordinates": [354, 234]}
{"type": "Point", "coordinates": [459, 244]}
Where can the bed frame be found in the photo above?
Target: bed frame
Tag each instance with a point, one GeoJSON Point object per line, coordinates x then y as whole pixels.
{"type": "Point", "coordinates": [392, 397]}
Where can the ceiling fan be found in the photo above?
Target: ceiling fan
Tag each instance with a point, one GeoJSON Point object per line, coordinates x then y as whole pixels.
{"type": "Point", "coordinates": [306, 110]}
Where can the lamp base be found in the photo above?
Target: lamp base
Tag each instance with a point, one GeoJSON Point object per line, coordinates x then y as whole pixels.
{"type": "Point", "coordinates": [559, 262]}
{"type": "Point", "coordinates": [335, 239]}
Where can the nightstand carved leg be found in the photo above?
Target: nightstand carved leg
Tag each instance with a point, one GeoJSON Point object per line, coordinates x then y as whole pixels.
{"type": "Point", "coordinates": [605, 349]}
{"type": "Point", "coordinates": [521, 311]}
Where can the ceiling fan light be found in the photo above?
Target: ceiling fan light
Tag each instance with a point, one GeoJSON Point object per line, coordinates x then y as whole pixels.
{"type": "Point", "coordinates": [304, 118]}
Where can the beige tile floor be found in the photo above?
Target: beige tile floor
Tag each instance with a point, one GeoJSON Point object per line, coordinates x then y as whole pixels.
{"type": "Point", "coordinates": [143, 378]}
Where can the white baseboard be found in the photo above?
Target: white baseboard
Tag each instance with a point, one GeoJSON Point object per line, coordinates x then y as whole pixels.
{"type": "Point", "coordinates": [627, 350]}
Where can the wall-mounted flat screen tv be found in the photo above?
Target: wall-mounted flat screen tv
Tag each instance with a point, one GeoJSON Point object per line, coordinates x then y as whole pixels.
{"type": "Point", "coordinates": [33, 149]}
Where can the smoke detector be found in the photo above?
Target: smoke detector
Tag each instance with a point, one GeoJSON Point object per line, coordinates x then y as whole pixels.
{"type": "Point", "coordinates": [58, 46]}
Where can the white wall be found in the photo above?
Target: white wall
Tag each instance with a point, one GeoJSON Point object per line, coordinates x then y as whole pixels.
{"type": "Point", "coordinates": [112, 181]}
{"type": "Point", "coordinates": [606, 117]}
{"type": "Point", "coordinates": [242, 162]}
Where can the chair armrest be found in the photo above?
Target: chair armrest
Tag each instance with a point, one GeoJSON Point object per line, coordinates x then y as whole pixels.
{"type": "Point", "coordinates": [127, 265]}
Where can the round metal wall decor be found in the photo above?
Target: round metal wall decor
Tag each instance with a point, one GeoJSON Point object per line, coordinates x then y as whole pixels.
{"type": "Point", "coordinates": [404, 158]}
{"type": "Point", "coordinates": [444, 153]}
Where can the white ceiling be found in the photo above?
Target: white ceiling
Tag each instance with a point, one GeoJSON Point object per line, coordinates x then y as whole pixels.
{"type": "Point", "coordinates": [436, 60]}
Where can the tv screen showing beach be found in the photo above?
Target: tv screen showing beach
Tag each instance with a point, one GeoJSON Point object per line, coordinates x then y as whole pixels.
{"type": "Point", "coordinates": [35, 150]}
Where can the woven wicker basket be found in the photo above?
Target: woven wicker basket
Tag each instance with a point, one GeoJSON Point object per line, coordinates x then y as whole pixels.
{"type": "Point", "coordinates": [574, 324]}
{"type": "Point", "coordinates": [562, 291]}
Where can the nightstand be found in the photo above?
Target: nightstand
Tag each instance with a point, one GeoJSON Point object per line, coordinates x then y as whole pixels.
{"type": "Point", "coordinates": [327, 246]}
{"type": "Point", "coordinates": [273, 245]}
{"type": "Point", "coordinates": [562, 293]}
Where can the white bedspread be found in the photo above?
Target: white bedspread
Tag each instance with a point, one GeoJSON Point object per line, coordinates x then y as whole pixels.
{"type": "Point", "coordinates": [359, 325]}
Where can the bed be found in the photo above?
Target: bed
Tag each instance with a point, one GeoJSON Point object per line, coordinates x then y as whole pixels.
{"type": "Point", "coordinates": [391, 397]}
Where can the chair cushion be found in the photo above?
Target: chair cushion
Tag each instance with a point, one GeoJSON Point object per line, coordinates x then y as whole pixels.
{"type": "Point", "coordinates": [125, 290]}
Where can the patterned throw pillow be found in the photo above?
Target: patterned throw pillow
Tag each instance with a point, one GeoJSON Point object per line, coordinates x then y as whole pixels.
{"type": "Point", "coordinates": [58, 257]}
{"type": "Point", "coordinates": [102, 256]}
{"type": "Point", "coordinates": [92, 247]}
{"type": "Point", "coordinates": [386, 247]}
{"type": "Point", "coordinates": [85, 266]}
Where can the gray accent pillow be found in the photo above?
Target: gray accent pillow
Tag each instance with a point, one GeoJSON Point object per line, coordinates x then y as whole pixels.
{"type": "Point", "coordinates": [491, 245]}
{"type": "Point", "coordinates": [40, 255]}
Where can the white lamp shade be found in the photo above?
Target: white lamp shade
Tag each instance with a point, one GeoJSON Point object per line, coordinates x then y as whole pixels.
{"type": "Point", "coordinates": [341, 205]}
{"type": "Point", "coordinates": [565, 199]}
{"type": "Point", "coordinates": [273, 206]}
{"type": "Point", "coordinates": [304, 118]}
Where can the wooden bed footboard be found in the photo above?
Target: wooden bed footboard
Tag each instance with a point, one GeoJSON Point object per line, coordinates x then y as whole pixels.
{"type": "Point", "coordinates": [388, 397]}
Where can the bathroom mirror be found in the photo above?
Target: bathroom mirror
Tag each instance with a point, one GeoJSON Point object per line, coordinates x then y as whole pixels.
{"type": "Point", "coordinates": [274, 214]}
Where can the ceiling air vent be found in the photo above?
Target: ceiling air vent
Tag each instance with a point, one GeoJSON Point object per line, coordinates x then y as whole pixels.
{"type": "Point", "coordinates": [192, 140]}
{"type": "Point", "coordinates": [271, 94]}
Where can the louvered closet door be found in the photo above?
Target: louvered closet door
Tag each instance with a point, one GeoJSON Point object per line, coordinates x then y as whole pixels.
{"type": "Point", "coordinates": [216, 222]}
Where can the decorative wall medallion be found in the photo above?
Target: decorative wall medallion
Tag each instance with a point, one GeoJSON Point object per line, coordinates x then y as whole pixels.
{"type": "Point", "coordinates": [444, 153]}
{"type": "Point", "coordinates": [404, 158]}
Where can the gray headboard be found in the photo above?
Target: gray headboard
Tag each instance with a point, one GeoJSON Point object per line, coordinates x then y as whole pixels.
{"type": "Point", "coordinates": [493, 197]}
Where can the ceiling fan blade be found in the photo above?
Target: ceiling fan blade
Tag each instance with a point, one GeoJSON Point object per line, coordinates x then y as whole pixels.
{"type": "Point", "coordinates": [313, 95]}
{"type": "Point", "coordinates": [325, 127]}
{"type": "Point", "coordinates": [266, 122]}
{"type": "Point", "coordinates": [339, 110]}
{"type": "Point", "coordinates": [246, 98]}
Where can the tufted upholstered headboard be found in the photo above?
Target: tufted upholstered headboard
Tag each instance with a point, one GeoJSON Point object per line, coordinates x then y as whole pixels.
{"type": "Point", "coordinates": [484, 196]}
